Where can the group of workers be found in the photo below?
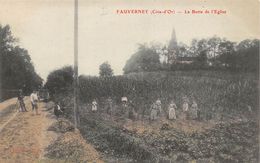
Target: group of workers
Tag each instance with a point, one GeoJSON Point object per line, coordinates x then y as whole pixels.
{"type": "Point", "coordinates": [33, 98]}
{"type": "Point", "coordinates": [127, 107]}
{"type": "Point", "coordinates": [186, 111]}
{"type": "Point", "coordinates": [34, 103]}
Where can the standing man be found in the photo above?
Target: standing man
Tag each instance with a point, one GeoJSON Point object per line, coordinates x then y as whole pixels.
{"type": "Point", "coordinates": [124, 101]}
{"type": "Point", "coordinates": [185, 107]}
{"type": "Point", "coordinates": [159, 105]}
{"type": "Point", "coordinates": [194, 110]}
{"type": "Point", "coordinates": [34, 100]}
{"type": "Point", "coordinates": [132, 114]}
{"type": "Point", "coordinates": [94, 105]}
{"type": "Point", "coordinates": [21, 102]}
{"type": "Point", "coordinates": [57, 111]}
{"type": "Point", "coordinates": [153, 112]}
{"type": "Point", "coordinates": [109, 106]}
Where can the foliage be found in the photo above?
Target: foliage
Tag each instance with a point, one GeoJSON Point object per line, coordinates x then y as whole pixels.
{"type": "Point", "coordinates": [213, 91]}
{"type": "Point", "coordinates": [145, 59]}
{"type": "Point", "coordinates": [211, 53]}
{"type": "Point", "coordinates": [60, 80]}
{"type": "Point", "coordinates": [248, 58]}
{"type": "Point", "coordinates": [17, 70]}
{"type": "Point", "coordinates": [201, 60]}
{"type": "Point", "coordinates": [105, 70]}
{"type": "Point", "coordinates": [226, 94]}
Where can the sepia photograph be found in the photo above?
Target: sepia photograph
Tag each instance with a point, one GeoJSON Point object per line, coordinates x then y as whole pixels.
{"type": "Point", "coordinates": [128, 81]}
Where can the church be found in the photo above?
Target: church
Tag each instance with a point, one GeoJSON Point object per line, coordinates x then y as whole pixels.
{"type": "Point", "coordinates": [173, 48]}
{"type": "Point", "coordinates": [171, 53]}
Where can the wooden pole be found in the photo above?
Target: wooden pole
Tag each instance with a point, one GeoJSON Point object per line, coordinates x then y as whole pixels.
{"type": "Point", "coordinates": [75, 82]}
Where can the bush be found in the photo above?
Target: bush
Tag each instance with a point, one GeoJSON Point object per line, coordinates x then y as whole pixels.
{"type": "Point", "coordinates": [60, 80]}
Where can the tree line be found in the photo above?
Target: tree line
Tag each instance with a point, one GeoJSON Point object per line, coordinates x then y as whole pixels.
{"type": "Point", "coordinates": [16, 68]}
{"type": "Point", "coordinates": [214, 53]}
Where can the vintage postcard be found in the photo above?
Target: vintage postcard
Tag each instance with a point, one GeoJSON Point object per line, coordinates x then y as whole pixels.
{"type": "Point", "coordinates": [151, 81]}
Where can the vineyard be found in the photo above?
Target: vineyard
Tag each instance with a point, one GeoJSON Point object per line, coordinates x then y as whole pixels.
{"type": "Point", "coordinates": [214, 92]}
{"type": "Point", "coordinates": [227, 131]}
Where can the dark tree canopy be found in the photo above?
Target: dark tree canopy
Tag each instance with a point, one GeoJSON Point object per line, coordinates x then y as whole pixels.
{"type": "Point", "coordinates": [105, 70]}
{"type": "Point", "coordinates": [201, 59]}
{"type": "Point", "coordinates": [213, 53]}
{"type": "Point", "coordinates": [16, 68]}
{"type": "Point", "coordinates": [60, 79]}
{"type": "Point", "coordinates": [145, 59]}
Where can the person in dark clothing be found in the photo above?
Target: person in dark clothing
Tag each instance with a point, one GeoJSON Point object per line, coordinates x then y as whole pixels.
{"type": "Point", "coordinates": [21, 102]}
{"type": "Point", "coordinates": [132, 111]}
{"type": "Point", "coordinates": [57, 111]}
{"type": "Point", "coordinates": [109, 106]}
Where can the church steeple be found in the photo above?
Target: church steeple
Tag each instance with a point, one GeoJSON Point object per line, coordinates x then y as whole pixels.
{"type": "Point", "coordinates": [173, 35]}
{"type": "Point", "coordinates": [173, 41]}
{"type": "Point", "coordinates": [172, 48]}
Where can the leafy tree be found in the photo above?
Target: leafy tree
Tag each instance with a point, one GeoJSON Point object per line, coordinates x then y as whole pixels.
{"type": "Point", "coordinates": [213, 44]}
{"type": "Point", "coordinates": [183, 50]}
{"type": "Point", "coordinates": [203, 46]}
{"type": "Point", "coordinates": [244, 56]}
{"type": "Point", "coordinates": [247, 43]}
{"type": "Point", "coordinates": [145, 59]}
{"type": "Point", "coordinates": [197, 46]}
{"type": "Point", "coordinates": [247, 55]}
{"type": "Point", "coordinates": [6, 39]}
{"type": "Point", "coordinates": [16, 68]}
{"type": "Point", "coordinates": [201, 60]}
{"type": "Point", "coordinates": [105, 70]}
{"type": "Point", "coordinates": [60, 80]}
{"type": "Point", "coordinates": [227, 54]}
{"type": "Point", "coordinates": [193, 47]}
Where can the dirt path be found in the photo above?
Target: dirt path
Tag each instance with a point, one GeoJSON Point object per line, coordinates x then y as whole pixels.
{"type": "Point", "coordinates": [5, 104]}
{"type": "Point", "coordinates": [8, 110]}
{"type": "Point", "coordinates": [24, 138]}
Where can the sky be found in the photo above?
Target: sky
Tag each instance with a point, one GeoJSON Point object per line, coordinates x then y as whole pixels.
{"type": "Point", "coordinates": [45, 28]}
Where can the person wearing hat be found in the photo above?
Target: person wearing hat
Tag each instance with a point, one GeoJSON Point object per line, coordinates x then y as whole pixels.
{"type": "Point", "coordinates": [159, 106]}
{"type": "Point", "coordinates": [194, 109]}
{"type": "Point", "coordinates": [57, 110]}
{"type": "Point", "coordinates": [94, 105]}
{"type": "Point", "coordinates": [154, 111]}
{"type": "Point", "coordinates": [21, 101]}
{"type": "Point", "coordinates": [34, 100]}
{"type": "Point", "coordinates": [109, 106]}
{"type": "Point", "coordinates": [172, 108]}
{"type": "Point", "coordinates": [124, 101]}
{"type": "Point", "coordinates": [185, 106]}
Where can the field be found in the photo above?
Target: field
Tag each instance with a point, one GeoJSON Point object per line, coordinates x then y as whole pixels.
{"type": "Point", "coordinates": [214, 92]}
{"type": "Point", "coordinates": [226, 132]}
